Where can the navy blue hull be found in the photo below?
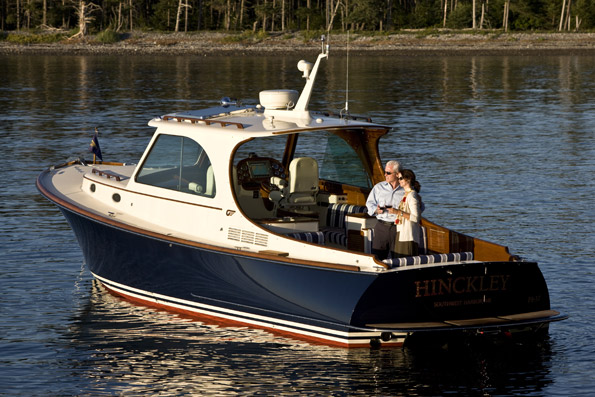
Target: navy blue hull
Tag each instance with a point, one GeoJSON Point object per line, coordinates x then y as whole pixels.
{"type": "Point", "coordinates": [316, 302]}
{"type": "Point", "coordinates": [254, 286]}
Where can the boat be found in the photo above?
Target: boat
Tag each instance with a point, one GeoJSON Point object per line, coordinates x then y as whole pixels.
{"type": "Point", "coordinates": [254, 214]}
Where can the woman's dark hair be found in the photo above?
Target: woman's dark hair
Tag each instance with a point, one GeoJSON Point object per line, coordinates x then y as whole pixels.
{"type": "Point", "coordinates": [410, 176]}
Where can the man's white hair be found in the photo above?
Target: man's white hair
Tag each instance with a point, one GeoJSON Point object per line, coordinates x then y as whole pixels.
{"type": "Point", "coordinates": [394, 165]}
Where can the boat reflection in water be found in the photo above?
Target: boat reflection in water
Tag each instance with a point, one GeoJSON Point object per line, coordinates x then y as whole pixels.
{"type": "Point", "coordinates": [230, 214]}
{"type": "Point", "coordinates": [135, 348]}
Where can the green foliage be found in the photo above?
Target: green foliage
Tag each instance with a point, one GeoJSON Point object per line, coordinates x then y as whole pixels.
{"type": "Point", "coordinates": [311, 35]}
{"type": "Point", "coordinates": [261, 35]}
{"type": "Point", "coordinates": [317, 20]}
{"type": "Point", "coordinates": [426, 33]}
{"type": "Point", "coordinates": [234, 38]}
{"type": "Point", "coordinates": [461, 17]}
{"type": "Point", "coordinates": [246, 36]}
{"type": "Point", "coordinates": [365, 13]}
{"type": "Point", "coordinates": [33, 38]}
{"type": "Point", "coordinates": [527, 15]}
{"type": "Point", "coordinates": [426, 15]}
{"type": "Point", "coordinates": [299, 15]}
{"type": "Point", "coordinates": [163, 15]}
{"type": "Point", "coordinates": [108, 36]}
{"type": "Point", "coordinates": [585, 9]}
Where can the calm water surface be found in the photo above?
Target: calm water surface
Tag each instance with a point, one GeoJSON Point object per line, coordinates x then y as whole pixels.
{"type": "Point", "coordinates": [504, 148]}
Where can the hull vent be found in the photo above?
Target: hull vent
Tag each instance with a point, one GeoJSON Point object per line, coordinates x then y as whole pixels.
{"type": "Point", "coordinates": [245, 236]}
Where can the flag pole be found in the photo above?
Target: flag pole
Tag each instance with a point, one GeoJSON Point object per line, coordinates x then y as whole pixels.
{"type": "Point", "coordinates": [94, 155]}
{"type": "Point", "coordinates": [94, 147]}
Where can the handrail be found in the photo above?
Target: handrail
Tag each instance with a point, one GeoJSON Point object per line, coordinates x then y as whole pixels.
{"type": "Point", "coordinates": [348, 116]}
{"type": "Point", "coordinates": [107, 174]}
{"type": "Point", "coordinates": [195, 120]}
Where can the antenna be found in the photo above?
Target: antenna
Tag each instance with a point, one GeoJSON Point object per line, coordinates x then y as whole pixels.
{"type": "Point", "coordinates": [310, 75]}
{"type": "Point", "coordinates": [345, 110]}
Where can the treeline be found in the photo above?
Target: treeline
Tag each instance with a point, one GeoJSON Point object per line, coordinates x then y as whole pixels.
{"type": "Point", "coordinates": [291, 15]}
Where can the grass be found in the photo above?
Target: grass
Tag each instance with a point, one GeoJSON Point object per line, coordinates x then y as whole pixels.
{"type": "Point", "coordinates": [107, 36]}
{"type": "Point", "coordinates": [32, 38]}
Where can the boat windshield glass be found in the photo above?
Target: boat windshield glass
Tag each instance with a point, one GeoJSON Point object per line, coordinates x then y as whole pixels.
{"type": "Point", "coordinates": [337, 161]}
{"type": "Point", "coordinates": [178, 163]}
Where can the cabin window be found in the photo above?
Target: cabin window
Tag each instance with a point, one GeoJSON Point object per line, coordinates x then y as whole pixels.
{"type": "Point", "coordinates": [178, 163]}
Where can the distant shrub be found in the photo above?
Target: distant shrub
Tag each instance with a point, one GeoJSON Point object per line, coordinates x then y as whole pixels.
{"type": "Point", "coordinates": [261, 35]}
{"type": "Point", "coordinates": [309, 35]}
{"type": "Point", "coordinates": [235, 38]}
{"type": "Point", "coordinates": [107, 36]}
{"type": "Point", "coordinates": [428, 32]}
{"type": "Point", "coordinates": [246, 36]}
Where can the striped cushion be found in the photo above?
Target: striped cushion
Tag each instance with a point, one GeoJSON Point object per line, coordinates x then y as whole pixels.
{"type": "Point", "coordinates": [311, 237]}
{"type": "Point", "coordinates": [335, 221]}
{"type": "Point", "coordinates": [335, 237]}
{"type": "Point", "coordinates": [335, 214]}
{"type": "Point", "coordinates": [334, 231]}
{"type": "Point", "coordinates": [429, 259]}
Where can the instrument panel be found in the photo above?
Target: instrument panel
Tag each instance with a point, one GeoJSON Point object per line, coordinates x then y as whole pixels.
{"type": "Point", "coordinates": [254, 171]}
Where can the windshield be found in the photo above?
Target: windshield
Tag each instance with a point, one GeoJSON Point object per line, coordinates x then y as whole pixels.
{"type": "Point", "coordinates": [337, 161]}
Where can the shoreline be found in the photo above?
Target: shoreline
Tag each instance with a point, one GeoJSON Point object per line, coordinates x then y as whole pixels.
{"type": "Point", "coordinates": [410, 43]}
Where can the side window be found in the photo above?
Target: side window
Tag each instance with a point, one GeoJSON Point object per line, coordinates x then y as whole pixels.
{"type": "Point", "coordinates": [178, 163]}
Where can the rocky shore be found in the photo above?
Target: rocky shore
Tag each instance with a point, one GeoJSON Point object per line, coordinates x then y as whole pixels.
{"type": "Point", "coordinates": [411, 43]}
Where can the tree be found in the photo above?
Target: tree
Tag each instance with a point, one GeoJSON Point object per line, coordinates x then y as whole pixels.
{"type": "Point", "coordinates": [306, 15]}
{"type": "Point", "coordinates": [473, 15]}
{"type": "Point", "coordinates": [84, 11]}
{"type": "Point", "coordinates": [506, 14]}
{"type": "Point", "coordinates": [177, 28]}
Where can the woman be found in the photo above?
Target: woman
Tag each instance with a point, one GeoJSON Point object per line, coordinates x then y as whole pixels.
{"type": "Point", "coordinates": [408, 216]}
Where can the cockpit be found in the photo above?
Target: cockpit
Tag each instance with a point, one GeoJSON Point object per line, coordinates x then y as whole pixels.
{"type": "Point", "coordinates": [302, 185]}
{"type": "Point", "coordinates": [254, 171]}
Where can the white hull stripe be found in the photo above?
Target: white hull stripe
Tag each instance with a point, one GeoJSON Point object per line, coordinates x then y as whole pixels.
{"type": "Point", "coordinates": [336, 336]}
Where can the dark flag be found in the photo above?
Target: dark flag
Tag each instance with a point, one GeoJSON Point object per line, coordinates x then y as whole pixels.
{"type": "Point", "coordinates": [94, 147]}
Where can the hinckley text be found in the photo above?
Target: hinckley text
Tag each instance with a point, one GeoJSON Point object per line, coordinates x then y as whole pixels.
{"type": "Point", "coordinates": [461, 285]}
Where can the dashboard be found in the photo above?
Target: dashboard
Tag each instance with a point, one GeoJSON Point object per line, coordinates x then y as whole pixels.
{"type": "Point", "coordinates": [254, 171]}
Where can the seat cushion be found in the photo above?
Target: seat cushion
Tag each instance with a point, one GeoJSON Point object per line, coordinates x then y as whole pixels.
{"type": "Point", "coordinates": [335, 236]}
{"type": "Point", "coordinates": [335, 214]}
{"type": "Point", "coordinates": [311, 237]}
{"type": "Point", "coordinates": [428, 259]}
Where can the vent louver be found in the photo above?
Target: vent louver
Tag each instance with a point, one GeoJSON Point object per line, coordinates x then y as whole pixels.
{"type": "Point", "coordinates": [248, 237]}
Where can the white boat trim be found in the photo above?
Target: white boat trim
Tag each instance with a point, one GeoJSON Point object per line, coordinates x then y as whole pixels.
{"type": "Point", "coordinates": [271, 323]}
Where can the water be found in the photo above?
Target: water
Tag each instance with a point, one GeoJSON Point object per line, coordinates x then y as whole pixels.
{"type": "Point", "coordinates": [504, 148]}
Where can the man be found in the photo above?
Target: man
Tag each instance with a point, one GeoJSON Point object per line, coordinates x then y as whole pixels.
{"type": "Point", "coordinates": [383, 194]}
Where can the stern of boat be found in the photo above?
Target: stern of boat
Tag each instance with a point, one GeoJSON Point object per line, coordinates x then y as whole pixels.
{"type": "Point", "coordinates": [474, 296]}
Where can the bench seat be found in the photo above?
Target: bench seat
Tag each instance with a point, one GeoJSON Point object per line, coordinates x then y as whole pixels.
{"type": "Point", "coordinates": [310, 237]}
{"type": "Point", "coordinates": [429, 259]}
{"type": "Point", "coordinates": [335, 229]}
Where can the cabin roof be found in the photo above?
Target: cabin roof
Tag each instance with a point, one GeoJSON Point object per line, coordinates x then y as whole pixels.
{"type": "Point", "coordinates": [255, 121]}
